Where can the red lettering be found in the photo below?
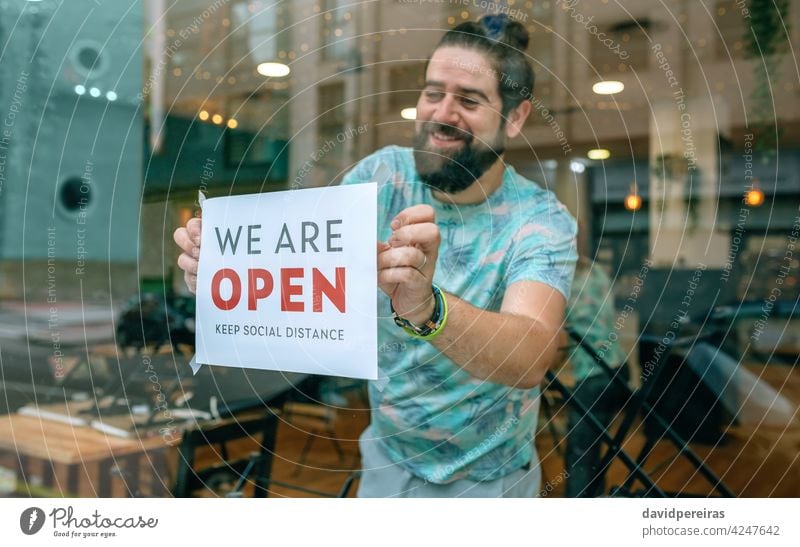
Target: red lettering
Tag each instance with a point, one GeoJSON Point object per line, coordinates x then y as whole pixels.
{"type": "Point", "coordinates": [288, 290]}
{"type": "Point", "coordinates": [261, 285]}
{"type": "Point", "coordinates": [322, 286]}
{"type": "Point", "coordinates": [236, 293]}
{"type": "Point", "coordinates": [254, 294]}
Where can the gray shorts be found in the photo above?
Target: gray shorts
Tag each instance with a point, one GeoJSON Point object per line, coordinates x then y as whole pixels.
{"type": "Point", "coordinates": [382, 478]}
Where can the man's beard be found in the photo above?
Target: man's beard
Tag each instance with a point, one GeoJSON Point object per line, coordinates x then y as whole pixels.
{"type": "Point", "coordinates": [452, 171]}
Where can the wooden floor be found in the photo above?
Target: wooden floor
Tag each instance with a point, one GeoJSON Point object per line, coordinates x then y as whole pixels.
{"type": "Point", "coordinates": [753, 462]}
{"type": "Point", "coordinates": [323, 470]}
{"type": "Point", "coordinates": [764, 462]}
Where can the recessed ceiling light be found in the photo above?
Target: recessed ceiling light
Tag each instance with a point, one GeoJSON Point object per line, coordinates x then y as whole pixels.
{"type": "Point", "coordinates": [598, 154]}
{"type": "Point", "coordinates": [94, 92]}
{"type": "Point", "coordinates": [79, 89]}
{"type": "Point", "coordinates": [275, 70]}
{"type": "Point", "coordinates": [111, 95]}
{"type": "Point", "coordinates": [608, 87]}
{"type": "Point", "coordinates": [233, 124]}
{"type": "Point", "coordinates": [203, 115]}
{"type": "Point", "coordinates": [409, 113]}
{"type": "Point", "coordinates": [216, 118]}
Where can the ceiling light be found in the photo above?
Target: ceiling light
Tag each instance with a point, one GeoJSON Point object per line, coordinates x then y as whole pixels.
{"type": "Point", "coordinates": [275, 70]}
{"type": "Point", "coordinates": [111, 95]}
{"type": "Point", "coordinates": [409, 113]}
{"type": "Point", "coordinates": [598, 154]}
{"type": "Point", "coordinates": [233, 124]}
{"type": "Point", "coordinates": [94, 92]}
{"type": "Point", "coordinates": [216, 118]}
{"type": "Point", "coordinates": [608, 87]}
{"type": "Point", "coordinates": [577, 167]}
{"type": "Point", "coordinates": [203, 115]}
{"type": "Point", "coordinates": [79, 89]}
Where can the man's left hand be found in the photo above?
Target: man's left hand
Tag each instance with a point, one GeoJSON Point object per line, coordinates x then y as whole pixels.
{"type": "Point", "coordinates": [407, 262]}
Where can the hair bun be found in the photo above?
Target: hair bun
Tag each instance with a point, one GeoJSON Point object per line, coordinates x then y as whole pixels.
{"type": "Point", "coordinates": [502, 28]}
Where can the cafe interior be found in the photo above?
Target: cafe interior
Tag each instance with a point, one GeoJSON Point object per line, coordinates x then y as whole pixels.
{"type": "Point", "coordinates": [666, 129]}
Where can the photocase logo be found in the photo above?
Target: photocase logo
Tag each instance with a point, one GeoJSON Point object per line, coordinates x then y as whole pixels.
{"type": "Point", "coordinates": [31, 520]}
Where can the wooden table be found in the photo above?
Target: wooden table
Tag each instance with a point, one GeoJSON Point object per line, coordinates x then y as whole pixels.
{"type": "Point", "coordinates": [76, 447]}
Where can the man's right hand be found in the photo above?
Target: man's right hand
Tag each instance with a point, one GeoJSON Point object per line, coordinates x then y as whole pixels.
{"type": "Point", "coordinates": [188, 239]}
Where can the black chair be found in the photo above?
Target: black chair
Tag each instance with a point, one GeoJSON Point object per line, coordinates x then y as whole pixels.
{"type": "Point", "coordinates": [228, 477]}
{"type": "Point", "coordinates": [637, 402]}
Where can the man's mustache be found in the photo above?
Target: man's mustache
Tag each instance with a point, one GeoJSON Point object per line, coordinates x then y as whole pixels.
{"type": "Point", "coordinates": [446, 129]}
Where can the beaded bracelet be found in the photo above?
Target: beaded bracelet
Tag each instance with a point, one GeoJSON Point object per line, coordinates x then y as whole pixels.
{"type": "Point", "coordinates": [432, 326]}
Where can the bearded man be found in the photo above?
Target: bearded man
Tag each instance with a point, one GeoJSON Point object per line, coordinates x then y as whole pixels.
{"type": "Point", "coordinates": [474, 265]}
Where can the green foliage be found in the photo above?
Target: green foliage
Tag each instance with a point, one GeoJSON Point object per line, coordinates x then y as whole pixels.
{"type": "Point", "coordinates": [767, 33]}
{"type": "Point", "coordinates": [766, 29]}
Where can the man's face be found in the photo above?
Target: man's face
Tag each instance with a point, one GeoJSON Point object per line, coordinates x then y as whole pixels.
{"type": "Point", "coordinates": [459, 128]}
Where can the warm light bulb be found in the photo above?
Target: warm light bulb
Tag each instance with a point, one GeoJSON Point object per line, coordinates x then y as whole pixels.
{"type": "Point", "coordinates": [598, 154]}
{"type": "Point", "coordinates": [754, 197]}
{"type": "Point", "coordinates": [232, 123]}
{"type": "Point", "coordinates": [633, 202]}
{"type": "Point", "coordinates": [203, 115]}
{"type": "Point", "coordinates": [216, 118]}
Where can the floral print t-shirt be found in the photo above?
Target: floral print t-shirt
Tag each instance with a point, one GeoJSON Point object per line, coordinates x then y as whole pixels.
{"type": "Point", "coordinates": [429, 415]}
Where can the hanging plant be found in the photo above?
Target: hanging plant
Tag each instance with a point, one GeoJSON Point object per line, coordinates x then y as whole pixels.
{"type": "Point", "coordinates": [767, 34]}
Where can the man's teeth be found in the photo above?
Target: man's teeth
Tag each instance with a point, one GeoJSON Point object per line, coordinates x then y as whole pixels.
{"type": "Point", "coordinates": [443, 137]}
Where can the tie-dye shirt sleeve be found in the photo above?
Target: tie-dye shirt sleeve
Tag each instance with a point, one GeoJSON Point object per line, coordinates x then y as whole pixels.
{"type": "Point", "coordinates": [544, 248]}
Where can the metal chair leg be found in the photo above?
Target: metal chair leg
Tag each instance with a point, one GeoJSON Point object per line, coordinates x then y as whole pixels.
{"type": "Point", "coordinates": [304, 453]}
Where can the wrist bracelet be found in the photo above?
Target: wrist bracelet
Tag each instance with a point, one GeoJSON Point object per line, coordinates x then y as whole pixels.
{"type": "Point", "coordinates": [432, 326]}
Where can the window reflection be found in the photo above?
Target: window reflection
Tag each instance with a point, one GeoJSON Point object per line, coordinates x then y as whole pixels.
{"type": "Point", "coordinates": [115, 115]}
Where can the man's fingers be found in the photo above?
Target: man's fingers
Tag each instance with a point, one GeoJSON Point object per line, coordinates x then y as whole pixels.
{"type": "Point", "coordinates": [395, 257]}
{"type": "Point", "coordinates": [426, 236]}
{"type": "Point", "coordinates": [191, 282]}
{"type": "Point", "coordinates": [188, 263]}
{"type": "Point", "coordinates": [185, 242]}
{"type": "Point", "coordinates": [413, 215]}
{"type": "Point", "coordinates": [400, 276]}
{"type": "Point", "coordinates": [188, 239]}
{"type": "Point", "coordinates": [194, 227]}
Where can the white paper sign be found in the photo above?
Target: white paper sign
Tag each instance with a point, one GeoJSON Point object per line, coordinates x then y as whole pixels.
{"type": "Point", "coordinates": [287, 281]}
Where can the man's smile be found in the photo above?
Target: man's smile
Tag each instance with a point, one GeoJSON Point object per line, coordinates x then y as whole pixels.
{"type": "Point", "coordinates": [441, 140]}
{"type": "Point", "coordinates": [446, 136]}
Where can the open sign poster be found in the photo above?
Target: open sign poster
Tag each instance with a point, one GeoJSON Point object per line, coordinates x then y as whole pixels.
{"type": "Point", "coordinates": [287, 281]}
